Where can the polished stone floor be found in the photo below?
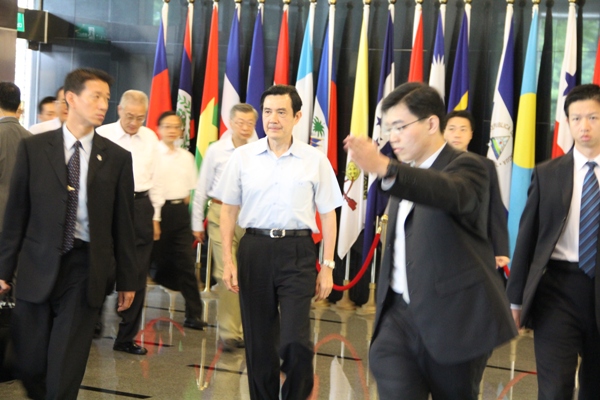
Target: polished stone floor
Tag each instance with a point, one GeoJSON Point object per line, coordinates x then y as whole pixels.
{"type": "Point", "coordinates": [187, 364]}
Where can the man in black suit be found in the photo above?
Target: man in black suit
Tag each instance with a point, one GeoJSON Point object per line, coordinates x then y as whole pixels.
{"type": "Point", "coordinates": [69, 232]}
{"type": "Point", "coordinates": [553, 286]}
{"type": "Point", "coordinates": [458, 132]}
{"type": "Point", "coordinates": [440, 306]}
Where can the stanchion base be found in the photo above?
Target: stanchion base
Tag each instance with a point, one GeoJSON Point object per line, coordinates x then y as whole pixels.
{"type": "Point", "coordinates": [209, 294]}
{"type": "Point", "coordinates": [321, 304]}
{"type": "Point", "coordinates": [345, 303]}
{"type": "Point", "coordinates": [370, 306]}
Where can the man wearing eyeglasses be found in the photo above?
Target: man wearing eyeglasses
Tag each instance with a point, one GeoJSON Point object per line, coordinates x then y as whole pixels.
{"type": "Point", "coordinates": [61, 112]}
{"type": "Point", "coordinates": [242, 120]}
{"type": "Point", "coordinates": [142, 142]}
{"type": "Point", "coordinates": [440, 308]}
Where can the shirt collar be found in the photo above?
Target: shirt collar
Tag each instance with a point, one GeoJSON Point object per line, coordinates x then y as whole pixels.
{"type": "Point", "coordinates": [121, 132]}
{"type": "Point", "coordinates": [263, 146]}
{"type": "Point", "coordinates": [69, 139]}
{"type": "Point", "coordinates": [429, 162]}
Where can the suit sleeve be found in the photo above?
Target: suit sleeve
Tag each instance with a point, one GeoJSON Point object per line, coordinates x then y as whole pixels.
{"type": "Point", "coordinates": [498, 227]}
{"type": "Point", "coordinates": [16, 215]}
{"type": "Point", "coordinates": [526, 243]}
{"type": "Point", "coordinates": [459, 189]}
{"type": "Point", "coordinates": [128, 276]}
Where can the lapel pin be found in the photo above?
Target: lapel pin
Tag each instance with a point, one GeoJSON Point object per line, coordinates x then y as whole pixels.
{"type": "Point", "coordinates": [99, 157]}
{"type": "Point", "coordinates": [70, 188]}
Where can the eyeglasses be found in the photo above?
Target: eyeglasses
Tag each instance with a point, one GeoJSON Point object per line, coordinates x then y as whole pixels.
{"type": "Point", "coordinates": [241, 124]}
{"type": "Point", "coordinates": [139, 119]}
{"type": "Point", "coordinates": [398, 129]}
{"type": "Point", "coordinates": [60, 102]}
{"type": "Point", "coordinates": [176, 127]}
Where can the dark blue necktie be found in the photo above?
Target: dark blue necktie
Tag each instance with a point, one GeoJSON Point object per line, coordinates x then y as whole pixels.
{"type": "Point", "coordinates": [73, 188]}
{"type": "Point", "coordinates": [588, 221]}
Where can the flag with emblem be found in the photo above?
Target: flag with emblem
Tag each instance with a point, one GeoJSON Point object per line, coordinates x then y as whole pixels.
{"type": "Point", "coordinates": [184, 94]}
{"type": "Point", "coordinates": [160, 90]}
{"type": "Point", "coordinates": [304, 81]}
{"type": "Point", "coordinates": [437, 74]}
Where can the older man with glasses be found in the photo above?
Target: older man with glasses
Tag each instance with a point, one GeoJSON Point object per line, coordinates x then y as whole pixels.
{"type": "Point", "coordinates": [142, 142]}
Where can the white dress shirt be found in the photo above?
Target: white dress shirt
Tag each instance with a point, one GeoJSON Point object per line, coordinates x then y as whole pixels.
{"type": "Point", "coordinates": [399, 283]}
{"type": "Point", "coordinates": [215, 159]}
{"type": "Point", "coordinates": [82, 223]}
{"type": "Point", "coordinates": [567, 247]}
{"type": "Point", "coordinates": [176, 172]}
{"type": "Point", "coordinates": [143, 147]}
{"type": "Point", "coordinates": [50, 125]}
{"type": "Point", "coordinates": [279, 192]}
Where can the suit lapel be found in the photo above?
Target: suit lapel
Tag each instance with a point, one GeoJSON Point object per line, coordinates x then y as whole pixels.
{"type": "Point", "coordinates": [56, 155]}
{"type": "Point", "coordinates": [97, 158]}
{"type": "Point", "coordinates": [564, 173]}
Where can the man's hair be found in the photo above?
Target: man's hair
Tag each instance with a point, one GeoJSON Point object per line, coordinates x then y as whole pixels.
{"type": "Point", "coordinates": [134, 97]}
{"type": "Point", "coordinates": [282, 90]}
{"type": "Point", "coordinates": [44, 101]}
{"type": "Point", "coordinates": [76, 79]}
{"type": "Point", "coordinates": [58, 91]}
{"type": "Point", "coordinates": [421, 100]}
{"type": "Point", "coordinates": [580, 93]}
{"type": "Point", "coordinates": [167, 114]}
{"type": "Point", "coordinates": [459, 114]}
{"type": "Point", "coordinates": [243, 108]}
{"type": "Point", "coordinates": [10, 96]}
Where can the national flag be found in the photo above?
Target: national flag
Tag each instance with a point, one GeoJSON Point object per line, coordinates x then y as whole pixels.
{"type": "Point", "coordinates": [596, 78]}
{"type": "Point", "coordinates": [503, 113]}
{"type": "Point", "coordinates": [304, 81]}
{"type": "Point", "coordinates": [208, 129]}
{"type": "Point", "coordinates": [459, 87]}
{"type": "Point", "coordinates": [160, 91]}
{"type": "Point", "coordinates": [376, 200]}
{"type": "Point", "coordinates": [563, 141]}
{"type": "Point", "coordinates": [524, 151]}
{"type": "Point", "coordinates": [256, 71]}
{"type": "Point", "coordinates": [184, 95]}
{"type": "Point", "coordinates": [282, 62]}
{"type": "Point", "coordinates": [352, 218]}
{"type": "Point", "coordinates": [415, 73]}
{"type": "Point", "coordinates": [324, 124]}
{"type": "Point", "coordinates": [437, 75]}
{"type": "Point", "coordinates": [232, 79]}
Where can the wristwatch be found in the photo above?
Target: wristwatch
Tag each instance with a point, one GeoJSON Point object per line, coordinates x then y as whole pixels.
{"type": "Point", "coordinates": [328, 263]}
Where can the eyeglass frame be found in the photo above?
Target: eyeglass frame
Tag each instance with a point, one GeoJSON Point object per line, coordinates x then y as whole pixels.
{"type": "Point", "coordinates": [398, 129]}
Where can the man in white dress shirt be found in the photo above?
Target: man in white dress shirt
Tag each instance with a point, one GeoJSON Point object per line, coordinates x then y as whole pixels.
{"type": "Point", "coordinates": [243, 119]}
{"type": "Point", "coordinates": [142, 142]}
{"type": "Point", "coordinates": [61, 112]}
{"type": "Point", "coordinates": [277, 185]}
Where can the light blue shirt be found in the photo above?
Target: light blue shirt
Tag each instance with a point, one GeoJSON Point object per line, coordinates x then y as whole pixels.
{"type": "Point", "coordinates": [82, 225]}
{"type": "Point", "coordinates": [279, 193]}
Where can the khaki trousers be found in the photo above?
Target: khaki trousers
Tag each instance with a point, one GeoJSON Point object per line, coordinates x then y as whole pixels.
{"type": "Point", "coordinates": [228, 309]}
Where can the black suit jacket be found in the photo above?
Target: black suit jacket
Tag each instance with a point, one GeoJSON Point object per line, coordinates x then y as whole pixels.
{"type": "Point", "coordinates": [497, 225]}
{"type": "Point", "coordinates": [32, 237]}
{"type": "Point", "coordinates": [543, 219]}
{"type": "Point", "coordinates": [456, 298]}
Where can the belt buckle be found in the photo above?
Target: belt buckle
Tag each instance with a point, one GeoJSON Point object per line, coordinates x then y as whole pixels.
{"type": "Point", "coordinates": [176, 201]}
{"type": "Point", "coordinates": [277, 233]}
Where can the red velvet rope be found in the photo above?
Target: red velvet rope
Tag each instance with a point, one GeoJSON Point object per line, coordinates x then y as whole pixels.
{"type": "Point", "coordinates": [362, 270]}
{"type": "Point", "coordinates": [506, 271]}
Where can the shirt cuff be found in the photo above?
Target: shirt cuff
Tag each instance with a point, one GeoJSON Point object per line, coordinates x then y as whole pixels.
{"type": "Point", "coordinates": [387, 183]}
{"type": "Point", "coordinates": [516, 306]}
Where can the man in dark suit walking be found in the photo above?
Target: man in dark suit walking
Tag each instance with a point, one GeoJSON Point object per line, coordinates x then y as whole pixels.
{"type": "Point", "coordinates": [69, 232]}
{"type": "Point", "coordinates": [441, 309]}
{"type": "Point", "coordinates": [553, 286]}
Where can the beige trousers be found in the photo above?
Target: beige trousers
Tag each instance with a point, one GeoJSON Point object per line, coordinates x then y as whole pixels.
{"type": "Point", "coordinates": [228, 309]}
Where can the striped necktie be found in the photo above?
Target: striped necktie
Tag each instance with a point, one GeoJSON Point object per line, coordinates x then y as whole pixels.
{"type": "Point", "coordinates": [73, 199]}
{"type": "Point", "coordinates": [588, 221]}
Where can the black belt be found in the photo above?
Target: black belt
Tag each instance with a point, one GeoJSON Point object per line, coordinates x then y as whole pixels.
{"type": "Point", "coordinates": [278, 233]}
{"type": "Point", "coordinates": [80, 244]}
{"type": "Point", "coordinates": [564, 265]}
{"type": "Point", "coordinates": [139, 195]}
{"type": "Point", "coordinates": [174, 202]}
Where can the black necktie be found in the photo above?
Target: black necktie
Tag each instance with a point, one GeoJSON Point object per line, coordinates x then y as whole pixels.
{"type": "Point", "coordinates": [588, 221]}
{"type": "Point", "coordinates": [73, 188]}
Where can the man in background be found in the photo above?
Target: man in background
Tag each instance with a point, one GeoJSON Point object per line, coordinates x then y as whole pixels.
{"type": "Point", "coordinates": [61, 112]}
{"type": "Point", "coordinates": [142, 143]}
{"type": "Point", "coordinates": [242, 121]}
{"type": "Point", "coordinates": [458, 132]}
{"type": "Point", "coordinates": [46, 109]}
{"type": "Point", "coordinates": [11, 133]}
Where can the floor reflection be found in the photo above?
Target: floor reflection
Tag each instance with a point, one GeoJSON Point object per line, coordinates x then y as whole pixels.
{"type": "Point", "coordinates": [187, 364]}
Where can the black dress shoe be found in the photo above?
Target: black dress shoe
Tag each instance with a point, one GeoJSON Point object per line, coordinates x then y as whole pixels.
{"type": "Point", "coordinates": [131, 348]}
{"type": "Point", "coordinates": [194, 323]}
{"type": "Point", "coordinates": [98, 330]}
